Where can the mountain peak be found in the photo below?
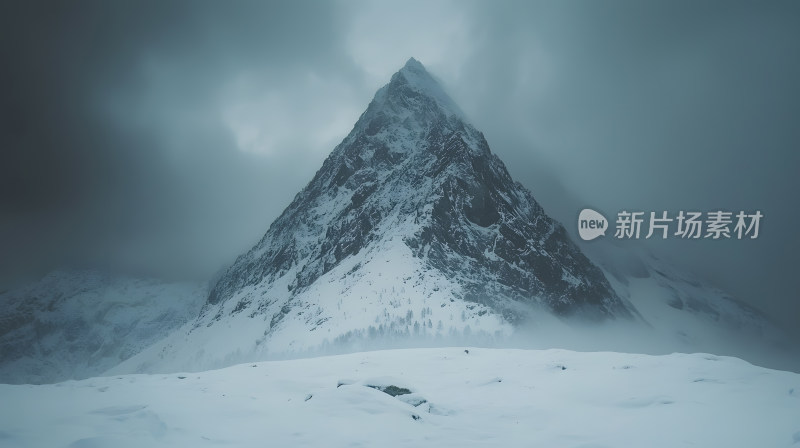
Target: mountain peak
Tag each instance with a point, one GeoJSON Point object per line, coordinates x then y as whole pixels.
{"type": "Point", "coordinates": [414, 70]}
{"type": "Point", "coordinates": [413, 63]}
{"type": "Point", "coordinates": [413, 79]}
{"type": "Point", "coordinates": [410, 105]}
{"type": "Point", "coordinates": [417, 76]}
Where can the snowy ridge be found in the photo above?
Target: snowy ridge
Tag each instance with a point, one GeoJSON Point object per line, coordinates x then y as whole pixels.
{"type": "Point", "coordinates": [422, 397]}
{"type": "Point", "coordinates": [77, 324]}
{"type": "Point", "coordinates": [685, 314]}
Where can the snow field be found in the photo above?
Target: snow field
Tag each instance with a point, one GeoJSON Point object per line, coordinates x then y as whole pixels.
{"type": "Point", "coordinates": [431, 397]}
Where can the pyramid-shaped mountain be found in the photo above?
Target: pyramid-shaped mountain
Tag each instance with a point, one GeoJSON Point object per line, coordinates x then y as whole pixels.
{"type": "Point", "coordinates": [411, 226]}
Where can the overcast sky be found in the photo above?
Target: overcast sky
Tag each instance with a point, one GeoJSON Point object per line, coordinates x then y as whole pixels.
{"type": "Point", "coordinates": [163, 137]}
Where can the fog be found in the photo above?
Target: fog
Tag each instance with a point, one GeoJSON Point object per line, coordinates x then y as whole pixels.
{"type": "Point", "coordinates": [546, 332]}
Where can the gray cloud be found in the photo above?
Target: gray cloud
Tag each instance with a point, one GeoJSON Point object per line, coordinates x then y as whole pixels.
{"type": "Point", "coordinates": [163, 137]}
{"type": "Point", "coordinates": [662, 106]}
{"type": "Point", "coordinates": [114, 147]}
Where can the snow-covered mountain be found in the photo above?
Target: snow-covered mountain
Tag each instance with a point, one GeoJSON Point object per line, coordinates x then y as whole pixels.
{"type": "Point", "coordinates": [411, 233]}
{"type": "Point", "coordinates": [77, 324]}
{"type": "Point", "coordinates": [413, 176]}
{"type": "Point", "coordinates": [684, 313]}
{"type": "Point", "coordinates": [411, 227]}
{"type": "Point", "coordinates": [414, 232]}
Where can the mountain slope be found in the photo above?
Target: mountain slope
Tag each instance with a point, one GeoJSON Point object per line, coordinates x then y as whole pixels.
{"type": "Point", "coordinates": [77, 324]}
{"type": "Point", "coordinates": [684, 313]}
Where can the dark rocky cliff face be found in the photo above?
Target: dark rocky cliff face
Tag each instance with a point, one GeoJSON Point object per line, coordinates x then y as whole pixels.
{"type": "Point", "coordinates": [413, 168]}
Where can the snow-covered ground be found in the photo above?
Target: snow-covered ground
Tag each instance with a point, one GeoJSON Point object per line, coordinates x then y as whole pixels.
{"type": "Point", "coordinates": [442, 397]}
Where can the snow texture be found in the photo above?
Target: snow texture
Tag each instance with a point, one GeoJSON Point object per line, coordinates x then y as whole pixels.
{"type": "Point", "coordinates": [422, 397]}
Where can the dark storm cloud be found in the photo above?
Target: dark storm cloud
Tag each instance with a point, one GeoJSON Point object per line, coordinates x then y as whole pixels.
{"type": "Point", "coordinates": [113, 152]}
{"type": "Point", "coordinates": [655, 106]}
{"type": "Point", "coordinates": [163, 137]}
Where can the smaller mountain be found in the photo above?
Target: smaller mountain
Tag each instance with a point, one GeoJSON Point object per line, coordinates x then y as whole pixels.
{"type": "Point", "coordinates": [684, 313]}
{"type": "Point", "coordinates": [78, 324]}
